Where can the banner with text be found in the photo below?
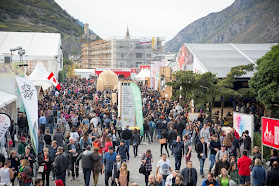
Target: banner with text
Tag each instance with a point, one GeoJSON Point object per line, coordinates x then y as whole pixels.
{"type": "Point", "coordinates": [127, 105]}
{"type": "Point", "coordinates": [30, 100]}
{"type": "Point", "coordinates": [5, 123]}
{"type": "Point", "coordinates": [138, 106]}
{"type": "Point", "coordinates": [270, 132]}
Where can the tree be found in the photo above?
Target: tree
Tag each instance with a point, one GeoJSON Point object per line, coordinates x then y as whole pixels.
{"type": "Point", "coordinates": [265, 82]}
{"type": "Point", "coordinates": [225, 87]}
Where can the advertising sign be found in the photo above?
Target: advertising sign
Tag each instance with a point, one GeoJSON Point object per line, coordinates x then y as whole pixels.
{"type": "Point", "coordinates": [270, 132]}
{"type": "Point", "coordinates": [145, 41]}
{"type": "Point", "coordinates": [138, 106]}
{"type": "Point", "coordinates": [193, 116]}
{"type": "Point", "coordinates": [30, 99]}
{"type": "Point", "coordinates": [144, 67]}
{"type": "Point", "coordinates": [127, 106]}
{"type": "Point", "coordinates": [242, 122]}
{"type": "Point", "coordinates": [5, 123]}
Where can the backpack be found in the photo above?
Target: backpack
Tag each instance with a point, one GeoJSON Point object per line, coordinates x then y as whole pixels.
{"type": "Point", "coordinates": [85, 144]}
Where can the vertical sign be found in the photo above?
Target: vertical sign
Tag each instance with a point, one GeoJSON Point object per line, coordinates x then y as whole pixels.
{"type": "Point", "coordinates": [242, 122]}
{"type": "Point", "coordinates": [270, 132]}
{"type": "Point", "coordinates": [5, 123]}
{"type": "Point", "coordinates": [138, 106]}
{"type": "Point", "coordinates": [127, 105]}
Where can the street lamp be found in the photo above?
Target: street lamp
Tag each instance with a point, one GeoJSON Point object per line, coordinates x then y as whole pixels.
{"type": "Point", "coordinates": [21, 52]}
{"type": "Point", "coordinates": [14, 49]}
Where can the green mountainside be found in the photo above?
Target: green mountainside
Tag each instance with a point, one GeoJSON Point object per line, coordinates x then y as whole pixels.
{"type": "Point", "coordinates": [41, 16]}
{"type": "Point", "coordinates": [245, 21]}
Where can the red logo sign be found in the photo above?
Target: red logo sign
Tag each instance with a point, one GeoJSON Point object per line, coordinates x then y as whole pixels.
{"type": "Point", "coordinates": [133, 70]}
{"type": "Point", "coordinates": [146, 67]}
{"type": "Point", "coordinates": [270, 132]}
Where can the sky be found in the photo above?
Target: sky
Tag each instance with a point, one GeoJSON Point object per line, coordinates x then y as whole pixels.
{"type": "Point", "coordinates": [160, 18]}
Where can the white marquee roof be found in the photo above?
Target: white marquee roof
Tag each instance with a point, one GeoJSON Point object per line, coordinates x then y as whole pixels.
{"type": "Point", "coordinates": [220, 58]}
{"type": "Point", "coordinates": [39, 76]}
{"type": "Point", "coordinates": [34, 43]}
{"type": "Point", "coordinates": [6, 98]}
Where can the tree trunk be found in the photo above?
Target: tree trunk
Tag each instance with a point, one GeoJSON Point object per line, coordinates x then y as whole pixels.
{"type": "Point", "coordinates": [210, 110]}
{"type": "Point", "coordinates": [222, 112]}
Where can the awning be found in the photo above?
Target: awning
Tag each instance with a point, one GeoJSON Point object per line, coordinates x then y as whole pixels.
{"type": "Point", "coordinates": [6, 98]}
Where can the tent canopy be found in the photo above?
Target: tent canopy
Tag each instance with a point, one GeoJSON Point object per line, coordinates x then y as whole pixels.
{"type": "Point", "coordinates": [142, 75]}
{"type": "Point", "coordinates": [39, 76]}
{"type": "Point", "coordinates": [6, 98]}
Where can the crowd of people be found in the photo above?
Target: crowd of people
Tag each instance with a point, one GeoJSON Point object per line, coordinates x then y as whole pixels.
{"type": "Point", "coordinates": [79, 123]}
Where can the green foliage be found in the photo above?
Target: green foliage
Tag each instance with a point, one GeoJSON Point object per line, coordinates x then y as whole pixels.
{"type": "Point", "coordinates": [206, 88]}
{"type": "Point", "coordinates": [265, 82]}
{"type": "Point", "coordinates": [258, 142]}
{"type": "Point", "coordinates": [46, 12]}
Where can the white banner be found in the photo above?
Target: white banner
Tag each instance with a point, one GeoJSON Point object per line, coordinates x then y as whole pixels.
{"type": "Point", "coordinates": [5, 123]}
{"type": "Point", "coordinates": [30, 99]}
{"type": "Point", "coordinates": [145, 41]}
{"type": "Point", "coordinates": [242, 122]}
{"type": "Point", "coordinates": [127, 106]}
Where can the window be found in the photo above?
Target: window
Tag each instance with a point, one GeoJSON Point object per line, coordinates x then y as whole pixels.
{"type": "Point", "coordinates": [148, 56]}
{"type": "Point", "coordinates": [138, 55]}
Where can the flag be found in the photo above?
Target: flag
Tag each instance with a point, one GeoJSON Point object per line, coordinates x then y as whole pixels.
{"type": "Point", "coordinates": [54, 80]}
{"type": "Point", "coordinates": [30, 100]}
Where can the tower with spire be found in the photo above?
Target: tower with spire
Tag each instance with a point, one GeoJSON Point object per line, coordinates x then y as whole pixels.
{"type": "Point", "coordinates": [127, 33]}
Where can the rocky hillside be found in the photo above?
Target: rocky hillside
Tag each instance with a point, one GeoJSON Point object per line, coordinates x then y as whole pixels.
{"type": "Point", "coordinates": [41, 16]}
{"type": "Point", "coordinates": [245, 21]}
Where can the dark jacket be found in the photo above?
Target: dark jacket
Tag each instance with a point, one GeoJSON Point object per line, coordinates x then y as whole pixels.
{"type": "Point", "coordinates": [14, 163]}
{"type": "Point", "coordinates": [136, 138]}
{"type": "Point", "coordinates": [78, 149]}
{"type": "Point", "coordinates": [172, 135]}
{"type": "Point", "coordinates": [127, 134]}
{"type": "Point", "coordinates": [214, 144]}
{"type": "Point", "coordinates": [41, 160]}
{"type": "Point", "coordinates": [61, 164]}
{"type": "Point", "coordinates": [272, 177]}
{"type": "Point", "coordinates": [32, 159]}
{"type": "Point", "coordinates": [88, 159]}
{"type": "Point", "coordinates": [123, 152]}
{"type": "Point", "coordinates": [58, 136]}
{"type": "Point", "coordinates": [178, 148]}
{"type": "Point", "coordinates": [199, 149]}
{"type": "Point", "coordinates": [185, 173]}
{"type": "Point", "coordinates": [53, 152]}
{"type": "Point", "coordinates": [219, 165]}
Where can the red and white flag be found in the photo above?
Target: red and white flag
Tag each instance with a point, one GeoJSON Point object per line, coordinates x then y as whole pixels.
{"type": "Point", "coordinates": [54, 80]}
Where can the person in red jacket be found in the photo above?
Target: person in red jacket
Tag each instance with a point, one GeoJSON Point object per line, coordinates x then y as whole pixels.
{"type": "Point", "coordinates": [243, 166]}
{"type": "Point", "coordinates": [236, 135]}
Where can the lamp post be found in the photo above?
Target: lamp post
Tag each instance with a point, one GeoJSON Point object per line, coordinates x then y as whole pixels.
{"type": "Point", "coordinates": [15, 49]}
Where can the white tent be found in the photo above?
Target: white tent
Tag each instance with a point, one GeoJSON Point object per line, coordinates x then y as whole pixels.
{"type": "Point", "coordinates": [39, 76]}
{"type": "Point", "coordinates": [142, 75]}
{"type": "Point", "coordinates": [6, 98]}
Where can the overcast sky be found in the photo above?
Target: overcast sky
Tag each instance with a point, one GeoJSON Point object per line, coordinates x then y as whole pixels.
{"type": "Point", "coordinates": [164, 18]}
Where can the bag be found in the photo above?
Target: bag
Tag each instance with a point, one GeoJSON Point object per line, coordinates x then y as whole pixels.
{"type": "Point", "coordinates": [142, 169]}
{"type": "Point", "coordinates": [15, 138]}
{"type": "Point", "coordinates": [41, 169]}
{"type": "Point", "coordinates": [163, 141]}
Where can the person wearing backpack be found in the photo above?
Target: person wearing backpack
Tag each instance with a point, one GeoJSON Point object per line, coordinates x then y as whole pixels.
{"type": "Point", "coordinates": [152, 127]}
{"type": "Point", "coordinates": [85, 141]}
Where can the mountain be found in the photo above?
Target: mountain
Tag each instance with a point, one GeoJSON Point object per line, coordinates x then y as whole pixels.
{"type": "Point", "coordinates": [42, 16]}
{"type": "Point", "coordinates": [245, 21]}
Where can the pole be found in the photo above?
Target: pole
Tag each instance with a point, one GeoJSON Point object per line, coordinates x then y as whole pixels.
{"type": "Point", "coordinates": [150, 72]}
{"type": "Point", "coordinates": [261, 140]}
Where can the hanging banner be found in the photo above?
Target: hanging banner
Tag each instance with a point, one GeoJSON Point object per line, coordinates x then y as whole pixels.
{"type": "Point", "coordinates": [54, 80]}
{"type": "Point", "coordinates": [138, 106]}
{"type": "Point", "coordinates": [127, 105]}
{"type": "Point", "coordinates": [270, 132]}
{"type": "Point", "coordinates": [242, 122]}
{"type": "Point", "coordinates": [5, 123]}
{"type": "Point", "coordinates": [30, 100]}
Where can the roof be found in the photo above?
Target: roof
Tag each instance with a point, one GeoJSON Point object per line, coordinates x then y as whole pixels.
{"type": "Point", "coordinates": [220, 58]}
{"type": "Point", "coordinates": [39, 76]}
{"type": "Point", "coordinates": [34, 43]}
{"type": "Point", "coordinates": [142, 75]}
{"type": "Point", "coordinates": [6, 98]}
